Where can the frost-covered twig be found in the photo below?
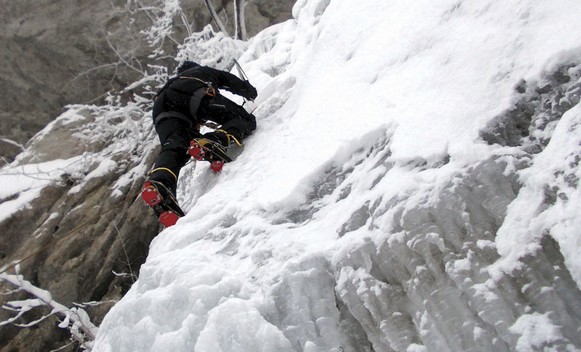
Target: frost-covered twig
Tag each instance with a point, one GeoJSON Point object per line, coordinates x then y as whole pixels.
{"type": "Point", "coordinates": [94, 303]}
{"type": "Point", "coordinates": [215, 17]}
{"type": "Point", "coordinates": [74, 319]}
{"type": "Point", "coordinates": [62, 348]}
{"type": "Point", "coordinates": [211, 48]}
{"type": "Point", "coordinates": [123, 60]}
{"type": "Point", "coordinates": [128, 261]}
{"type": "Point", "coordinates": [239, 20]}
{"type": "Point", "coordinates": [14, 143]}
{"type": "Point", "coordinates": [161, 16]}
{"type": "Point", "coordinates": [86, 72]}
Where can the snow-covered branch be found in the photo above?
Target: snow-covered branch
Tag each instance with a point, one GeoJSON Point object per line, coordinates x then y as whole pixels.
{"type": "Point", "coordinates": [239, 19]}
{"type": "Point", "coordinates": [14, 143]}
{"type": "Point", "coordinates": [211, 48]}
{"type": "Point", "coordinates": [161, 14]}
{"type": "Point", "coordinates": [75, 319]}
{"type": "Point", "coordinates": [215, 17]}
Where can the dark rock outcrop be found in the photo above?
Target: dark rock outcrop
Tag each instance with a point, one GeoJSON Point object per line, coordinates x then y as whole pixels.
{"type": "Point", "coordinates": [82, 239]}
{"type": "Point", "coordinates": [70, 52]}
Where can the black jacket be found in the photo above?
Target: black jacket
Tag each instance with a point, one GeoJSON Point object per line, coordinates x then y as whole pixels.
{"type": "Point", "coordinates": [178, 91]}
{"type": "Point", "coordinates": [216, 78]}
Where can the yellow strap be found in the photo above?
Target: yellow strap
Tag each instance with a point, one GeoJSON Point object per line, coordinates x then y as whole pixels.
{"type": "Point", "coordinates": [229, 136]}
{"type": "Point", "coordinates": [164, 169]}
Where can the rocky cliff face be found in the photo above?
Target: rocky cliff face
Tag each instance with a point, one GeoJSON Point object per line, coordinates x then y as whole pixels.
{"type": "Point", "coordinates": [69, 52]}
{"type": "Point", "coordinates": [57, 53]}
{"type": "Point", "coordinates": [78, 239]}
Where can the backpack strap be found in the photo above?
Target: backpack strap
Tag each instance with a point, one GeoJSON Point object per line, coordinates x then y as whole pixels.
{"type": "Point", "coordinates": [210, 90]}
{"type": "Point", "coordinates": [172, 114]}
{"type": "Point", "coordinates": [195, 101]}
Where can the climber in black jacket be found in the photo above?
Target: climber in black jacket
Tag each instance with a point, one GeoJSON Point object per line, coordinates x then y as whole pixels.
{"type": "Point", "coordinates": [186, 101]}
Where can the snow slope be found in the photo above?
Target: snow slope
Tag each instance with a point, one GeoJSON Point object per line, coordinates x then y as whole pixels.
{"type": "Point", "coordinates": [366, 213]}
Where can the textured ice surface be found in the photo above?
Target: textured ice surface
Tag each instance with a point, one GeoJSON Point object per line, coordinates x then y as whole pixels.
{"type": "Point", "coordinates": [393, 198]}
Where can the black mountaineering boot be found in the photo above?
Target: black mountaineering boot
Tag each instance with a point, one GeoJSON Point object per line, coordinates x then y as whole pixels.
{"type": "Point", "coordinates": [213, 147]}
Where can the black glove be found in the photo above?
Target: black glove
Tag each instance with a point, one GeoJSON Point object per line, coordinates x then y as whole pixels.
{"type": "Point", "coordinates": [250, 92]}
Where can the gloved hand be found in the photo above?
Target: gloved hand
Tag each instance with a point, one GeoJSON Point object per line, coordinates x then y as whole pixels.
{"type": "Point", "coordinates": [250, 92]}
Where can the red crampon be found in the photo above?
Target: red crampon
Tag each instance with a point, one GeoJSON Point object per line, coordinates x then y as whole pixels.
{"type": "Point", "coordinates": [201, 152]}
{"type": "Point", "coordinates": [152, 198]}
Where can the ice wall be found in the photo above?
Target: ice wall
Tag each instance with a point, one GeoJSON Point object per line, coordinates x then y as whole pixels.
{"type": "Point", "coordinates": [412, 186]}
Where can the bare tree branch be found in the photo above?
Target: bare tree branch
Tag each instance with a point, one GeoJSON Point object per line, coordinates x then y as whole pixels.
{"type": "Point", "coordinates": [239, 20]}
{"type": "Point", "coordinates": [215, 17]}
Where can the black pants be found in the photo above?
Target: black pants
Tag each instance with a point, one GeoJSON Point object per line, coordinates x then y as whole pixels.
{"type": "Point", "coordinates": [233, 117]}
{"type": "Point", "coordinates": [175, 134]}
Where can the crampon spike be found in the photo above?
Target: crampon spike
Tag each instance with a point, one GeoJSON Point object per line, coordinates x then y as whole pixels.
{"type": "Point", "coordinates": [150, 195]}
{"type": "Point", "coordinates": [196, 151]}
{"type": "Point", "coordinates": [216, 166]}
{"type": "Point", "coordinates": [168, 218]}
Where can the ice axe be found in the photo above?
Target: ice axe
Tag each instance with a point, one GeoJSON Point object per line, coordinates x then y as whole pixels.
{"type": "Point", "coordinates": [242, 75]}
{"type": "Point", "coordinates": [240, 70]}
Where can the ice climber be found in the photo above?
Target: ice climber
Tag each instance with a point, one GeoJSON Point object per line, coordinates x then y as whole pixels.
{"type": "Point", "coordinates": [181, 106]}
